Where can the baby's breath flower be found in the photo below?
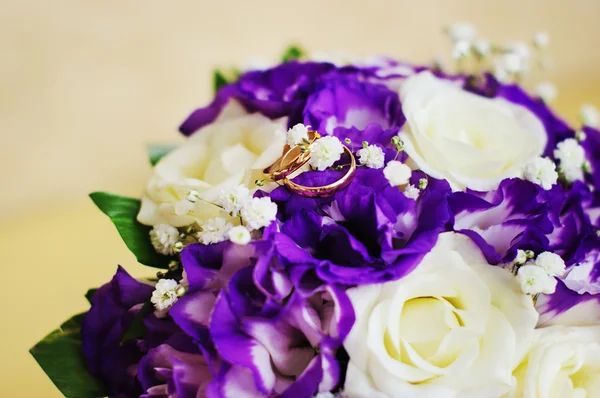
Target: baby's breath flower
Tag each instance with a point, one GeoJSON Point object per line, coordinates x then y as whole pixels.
{"type": "Point", "coordinates": [483, 47]}
{"type": "Point", "coordinates": [589, 115]}
{"type": "Point", "coordinates": [541, 171]}
{"type": "Point", "coordinates": [571, 156]}
{"type": "Point", "coordinates": [164, 237]}
{"type": "Point", "coordinates": [235, 199]}
{"type": "Point", "coordinates": [213, 230]}
{"type": "Point", "coordinates": [397, 173]}
{"type": "Point", "coordinates": [371, 156]}
{"type": "Point", "coordinates": [324, 152]}
{"type": "Point", "coordinates": [258, 213]}
{"type": "Point", "coordinates": [541, 39]}
{"type": "Point", "coordinates": [552, 263]}
{"type": "Point", "coordinates": [411, 192]}
{"type": "Point", "coordinates": [580, 136]}
{"type": "Point", "coordinates": [164, 296]}
{"type": "Point", "coordinates": [546, 91]}
{"type": "Point", "coordinates": [461, 49]}
{"type": "Point", "coordinates": [239, 235]}
{"type": "Point", "coordinates": [297, 134]}
{"type": "Point", "coordinates": [521, 257]}
{"type": "Point", "coordinates": [462, 31]}
{"type": "Point", "coordinates": [535, 280]}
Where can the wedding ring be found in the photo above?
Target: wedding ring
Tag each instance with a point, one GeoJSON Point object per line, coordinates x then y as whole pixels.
{"type": "Point", "coordinates": [324, 190]}
{"type": "Point", "coordinates": [293, 159]}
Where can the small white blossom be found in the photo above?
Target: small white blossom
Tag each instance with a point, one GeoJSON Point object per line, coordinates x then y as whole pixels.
{"type": "Point", "coordinates": [213, 230]}
{"type": "Point", "coordinates": [572, 157]}
{"type": "Point", "coordinates": [164, 296]}
{"type": "Point", "coordinates": [589, 115]}
{"type": "Point", "coordinates": [239, 235]}
{"type": "Point", "coordinates": [483, 47]}
{"type": "Point", "coordinates": [580, 136]}
{"type": "Point", "coordinates": [511, 63]}
{"type": "Point", "coordinates": [462, 31]}
{"type": "Point", "coordinates": [297, 134]}
{"type": "Point", "coordinates": [546, 91]}
{"type": "Point", "coordinates": [520, 49]}
{"type": "Point", "coordinates": [397, 173]}
{"type": "Point", "coordinates": [552, 263]}
{"type": "Point", "coordinates": [258, 213]}
{"type": "Point", "coordinates": [163, 238]}
{"type": "Point", "coordinates": [535, 280]}
{"type": "Point", "coordinates": [324, 152]}
{"type": "Point", "coordinates": [461, 49]}
{"type": "Point", "coordinates": [521, 257]}
{"type": "Point", "coordinates": [541, 171]}
{"type": "Point", "coordinates": [371, 156]}
{"type": "Point", "coordinates": [192, 196]}
{"type": "Point", "coordinates": [541, 39]}
{"type": "Point", "coordinates": [235, 199]}
{"type": "Point", "coordinates": [411, 191]}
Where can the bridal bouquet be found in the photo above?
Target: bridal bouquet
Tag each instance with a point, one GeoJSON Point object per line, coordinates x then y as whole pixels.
{"type": "Point", "coordinates": [359, 229]}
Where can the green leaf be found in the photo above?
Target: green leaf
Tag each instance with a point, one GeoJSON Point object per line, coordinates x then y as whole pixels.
{"type": "Point", "coordinates": [123, 212]}
{"type": "Point", "coordinates": [61, 357]}
{"type": "Point", "coordinates": [137, 329]}
{"type": "Point", "coordinates": [90, 293]}
{"type": "Point", "coordinates": [293, 53]}
{"type": "Point", "coordinates": [219, 80]}
{"type": "Point", "coordinates": [157, 151]}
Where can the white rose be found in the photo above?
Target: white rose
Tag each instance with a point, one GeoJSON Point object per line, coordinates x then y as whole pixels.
{"type": "Point", "coordinates": [472, 141]}
{"type": "Point", "coordinates": [563, 363]}
{"type": "Point", "coordinates": [214, 160]}
{"type": "Point", "coordinates": [454, 327]}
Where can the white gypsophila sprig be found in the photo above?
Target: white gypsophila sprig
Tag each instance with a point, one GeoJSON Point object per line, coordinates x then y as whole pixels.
{"type": "Point", "coordinates": [521, 257]}
{"type": "Point", "coordinates": [397, 173]}
{"type": "Point", "coordinates": [572, 157]}
{"type": "Point", "coordinates": [589, 115]}
{"type": "Point", "coordinates": [233, 200]}
{"type": "Point", "coordinates": [541, 39]}
{"type": "Point", "coordinates": [534, 280]}
{"type": "Point", "coordinates": [552, 263]}
{"type": "Point", "coordinates": [297, 134]}
{"type": "Point", "coordinates": [324, 152]}
{"type": "Point", "coordinates": [165, 294]}
{"type": "Point", "coordinates": [164, 237]}
{"type": "Point", "coordinates": [259, 213]}
{"type": "Point", "coordinates": [411, 192]}
{"type": "Point", "coordinates": [541, 171]}
{"type": "Point", "coordinates": [371, 156]}
{"type": "Point", "coordinates": [239, 235]}
{"type": "Point", "coordinates": [461, 31]}
{"type": "Point", "coordinates": [547, 91]}
{"type": "Point", "coordinates": [461, 50]}
{"type": "Point", "coordinates": [482, 47]}
{"type": "Point", "coordinates": [213, 230]}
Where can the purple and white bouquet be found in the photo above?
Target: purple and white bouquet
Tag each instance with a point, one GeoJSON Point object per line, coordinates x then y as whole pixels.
{"type": "Point", "coordinates": [361, 229]}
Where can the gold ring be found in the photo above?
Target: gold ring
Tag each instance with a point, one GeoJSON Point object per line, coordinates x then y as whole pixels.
{"type": "Point", "coordinates": [283, 168]}
{"type": "Point", "coordinates": [325, 190]}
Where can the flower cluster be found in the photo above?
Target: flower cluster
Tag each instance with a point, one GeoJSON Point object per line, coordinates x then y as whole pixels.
{"type": "Point", "coordinates": [461, 258]}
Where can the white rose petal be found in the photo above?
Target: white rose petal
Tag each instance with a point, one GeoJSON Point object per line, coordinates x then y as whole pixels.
{"type": "Point", "coordinates": [372, 156]}
{"type": "Point", "coordinates": [541, 171]}
{"type": "Point", "coordinates": [324, 152]}
{"type": "Point", "coordinates": [453, 327]}
{"type": "Point", "coordinates": [213, 230]}
{"type": "Point", "coordinates": [258, 213]}
{"type": "Point", "coordinates": [239, 235]}
{"type": "Point", "coordinates": [471, 141]}
{"type": "Point", "coordinates": [397, 173]}
{"type": "Point", "coordinates": [552, 263]}
{"type": "Point", "coordinates": [535, 280]}
{"type": "Point", "coordinates": [219, 157]}
{"type": "Point", "coordinates": [164, 237]}
{"type": "Point", "coordinates": [563, 363]}
{"type": "Point", "coordinates": [297, 134]}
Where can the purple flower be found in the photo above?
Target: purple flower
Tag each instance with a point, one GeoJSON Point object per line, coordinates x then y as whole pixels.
{"type": "Point", "coordinates": [584, 275]}
{"type": "Point", "coordinates": [283, 349]}
{"type": "Point", "coordinates": [114, 306]}
{"type": "Point", "coordinates": [591, 145]}
{"type": "Point", "coordinates": [502, 221]}
{"type": "Point", "coordinates": [567, 307]}
{"type": "Point", "coordinates": [367, 233]}
{"type": "Point", "coordinates": [276, 92]}
{"type": "Point", "coordinates": [174, 369]}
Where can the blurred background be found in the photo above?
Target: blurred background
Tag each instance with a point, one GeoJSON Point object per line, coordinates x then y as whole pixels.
{"type": "Point", "coordinates": [85, 85]}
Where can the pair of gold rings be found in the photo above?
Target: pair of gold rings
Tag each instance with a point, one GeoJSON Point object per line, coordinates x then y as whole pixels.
{"type": "Point", "coordinates": [291, 163]}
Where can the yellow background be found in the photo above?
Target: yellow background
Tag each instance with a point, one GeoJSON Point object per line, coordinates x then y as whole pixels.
{"type": "Point", "coordinates": [85, 84]}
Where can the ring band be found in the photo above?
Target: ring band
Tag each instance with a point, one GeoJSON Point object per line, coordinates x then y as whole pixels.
{"type": "Point", "coordinates": [280, 169]}
{"type": "Point", "coordinates": [325, 190]}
